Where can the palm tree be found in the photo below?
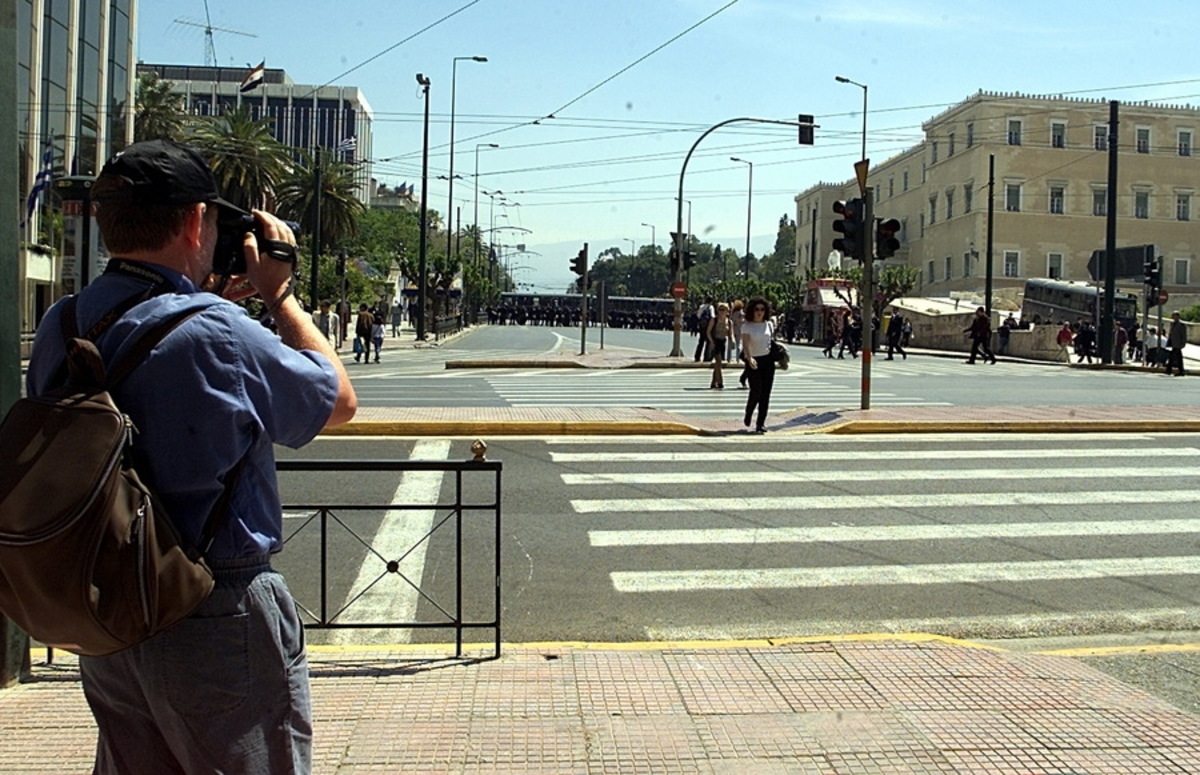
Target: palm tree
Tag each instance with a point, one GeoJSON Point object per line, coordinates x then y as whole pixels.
{"type": "Point", "coordinates": [340, 208]}
{"type": "Point", "coordinates": [158, 113]}
{"type": "Point", "coordinates": [245, 156]}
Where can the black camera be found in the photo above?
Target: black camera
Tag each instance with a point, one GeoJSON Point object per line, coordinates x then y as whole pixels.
{"type": "Point", "coordinates": [232, 228]}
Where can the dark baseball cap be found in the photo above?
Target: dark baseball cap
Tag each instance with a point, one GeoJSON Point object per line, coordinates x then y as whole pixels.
{"type": "Point", "coordinates": [163, 172]}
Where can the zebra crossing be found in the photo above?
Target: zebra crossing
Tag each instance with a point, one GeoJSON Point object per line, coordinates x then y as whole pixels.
{"type": "Point", "coordinates": [682, 391]}
{"type": "Point", "coordinates": [1074, 533]}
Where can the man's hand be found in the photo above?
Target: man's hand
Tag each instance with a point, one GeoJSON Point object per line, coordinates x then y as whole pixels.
{"type": "Point", "coordinates": [266, 275]}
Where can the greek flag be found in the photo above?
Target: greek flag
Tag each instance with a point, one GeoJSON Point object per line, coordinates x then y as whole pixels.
{"type": "Point", "coordinates": [40, 183]}
{"type": "Point", "coordinates": [349, 145]}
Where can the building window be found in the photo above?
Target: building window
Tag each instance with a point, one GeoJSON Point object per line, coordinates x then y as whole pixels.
{"type": "Point", "coordinates": [1012, 263]}
{"type": "Point", "coordinates": [931, 275]}
{"type": "Point", "coordinates": [1143, 139]}
{"type": "Point", "coordinates": [1099, 201]}
{"type": "Point", "coordinates": [949, 266]}
{"type": "Point", "coordinates": [1181, 271]}
{"type": "Point", "coordinates": [1014, 131]}
{"type": "Point", "coordinates": [933, 150]}
{"type": "Point", "coordinates": [1183, 207]}
{"type": "Point", "coordinates": [1057, 200]}
{"type": "Point", "coordinates": [970, 135]}
{"type": "Point", "coordinates": [932, 209]}
{"type": "Point", "coordinates": [1012, 197]}
{"type": "Point", "coordinates": [1054, 266]}
{"type": "Point", "coordinates": [967, 264]}
{"type": "Point", "coordinates": [1100, 137]}
{"type": "Point", "coordinates": [904, 182]}
{"type": "Point", "coordinates": [923, 227]}
{"type": "Point", "coordinates": [1185, 142]}
{"type": "Point", "coordinates": [924, 172]}
{"type": "Point", "coordinates": [1058, 135]}
{"type": "Point", "coordinates": [1141, 204]}
{"type": "Point", "coordinates": [968, 195]}
{"type": "Point", "coordinates": [891, 187]}
{"type": "Point", "coordinates": [949, 205]}
{"type": "Point", "coordinates": [950, 142]}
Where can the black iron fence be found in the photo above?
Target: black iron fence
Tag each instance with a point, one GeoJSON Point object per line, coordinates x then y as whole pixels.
{"type": "Point", "coordinates": [465, 528]}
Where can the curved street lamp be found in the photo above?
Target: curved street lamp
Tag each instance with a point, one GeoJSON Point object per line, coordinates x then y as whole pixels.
{"type": "Point", "coordinates": [749, 203]}
{"type": "Point", "coordinates": [422, 255]}
{"type": "Point", "coordinates": [450, 198]}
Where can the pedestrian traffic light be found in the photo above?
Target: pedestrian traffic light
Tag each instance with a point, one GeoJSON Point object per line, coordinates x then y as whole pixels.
{"type": "Point", "coordinates": [886, 242]}
{"type": "Point", "coordinates": [689, 260]}
{"type": "Point", "coordinates": [852, 227]}
{"type": "Point", "coordinates": [579, 264]}
{"type": "Point", "coordinates": [673, 259]}
{"type": "Point", "coordinates": [1153, 276]}
{"type": "Point", "coordinates": [341, 264]}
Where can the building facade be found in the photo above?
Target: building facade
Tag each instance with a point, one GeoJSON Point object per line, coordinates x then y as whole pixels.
{"type": "Point", "coordinates": [336, 119]}
{"type": "Point", "coordinates": [1050, 192]}
{"type": "Point", "coordinates": [75, 94]}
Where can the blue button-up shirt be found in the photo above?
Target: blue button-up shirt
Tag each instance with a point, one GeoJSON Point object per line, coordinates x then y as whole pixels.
{"type": "Point", "coordinates": [218, 387]}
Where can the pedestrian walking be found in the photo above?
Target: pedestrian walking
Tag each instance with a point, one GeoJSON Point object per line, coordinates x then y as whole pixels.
{"type": "Point", "coordinates": [326, 321]}
{"type": "Point", "coordinates": [1120, 342]}
{"type": "Point", "coordinates": [758, 333]}
{"type": "Point", "coordinates": [1176, 339]}
{"type": "Point", "coordinates": [895, 333]}
{"type": "Point", "coordinates": [1063, 339]}
{"type": "Point", "coordinates": [1085, 341]}
{"type": "Point", "coordinates": [377, 336]}
{"type": "Point", "coordinates": [980, 331]}
{"type": "Point", "coordinates": [718, 337]}
{"type": "Point", "coordinates": [362, 334]}
{"type": "Point", "coordinates": [704, 316]}
{"type": "Point", "coordinates": [225, 689]}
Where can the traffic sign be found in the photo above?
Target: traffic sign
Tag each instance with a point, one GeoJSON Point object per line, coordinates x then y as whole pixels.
{"type": "Point", "coordinates": [678, 290]}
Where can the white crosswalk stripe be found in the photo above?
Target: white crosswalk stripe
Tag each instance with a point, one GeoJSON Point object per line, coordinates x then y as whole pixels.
{"type": "Point", "coordinates": [666, 522]}
{"type": "Point", "coordinates": [683, 391]}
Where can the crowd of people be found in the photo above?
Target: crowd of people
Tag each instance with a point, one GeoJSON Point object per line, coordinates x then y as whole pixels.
{"type": "Point", "coordinates": [370, 327]}
{"type": "Point", "coordinates": [1157, 347]}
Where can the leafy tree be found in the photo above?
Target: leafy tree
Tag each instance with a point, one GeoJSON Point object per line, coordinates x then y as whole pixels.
{"type": "Point", "coordinates": [891, 282]}
{"type": "Point", "coordinates": [158, 114]}
{"type": "Point", "coordinates": [340, 208]}
{"type": "Point", "coordinates": [778, 266]}
{"type": "Point", "coordinates": [245, 156]}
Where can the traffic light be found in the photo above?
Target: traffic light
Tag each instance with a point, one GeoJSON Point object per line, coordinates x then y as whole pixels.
{"type": "Point", "coordinates": [886, 242]}
{"type": "Point", "coordinates": [1153, 276]}
{"type": "Point", "coordinates": [689, 260]}
{"type": "Point", "coordinates": [673, 259]}
{"type": "Point", "coordinates": [579, 264]}
{"type": "Point", "coordinates": [852, 227]}
{"type": "Point", "coordinates": [806, 129]}
{"type": "Point", "coordinates": [341, 264]}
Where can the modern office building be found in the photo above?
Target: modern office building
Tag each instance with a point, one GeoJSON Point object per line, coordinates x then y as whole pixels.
{"type": "Point", "coordinates": [334, 118]}
{"type": "Point", "coordinates": [75, 87]}
{"type": "Point", "coordinates": [1050, 192]}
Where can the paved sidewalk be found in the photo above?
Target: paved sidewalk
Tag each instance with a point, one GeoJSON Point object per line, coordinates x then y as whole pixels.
{"type": "Point", "coordinates": [836, 707]}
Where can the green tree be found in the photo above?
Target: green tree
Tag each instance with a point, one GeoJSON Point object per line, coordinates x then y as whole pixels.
{"type": "Point", "coordinates": [340, 209]}
{"type": "Point", "coordinates": [778, 266]}
{"type": "Point", "coordinates": [892, 282]}
{"type": "Point", "coordinates": [158, 113]}
{"type": "Point", "coordinates": [245, 156]}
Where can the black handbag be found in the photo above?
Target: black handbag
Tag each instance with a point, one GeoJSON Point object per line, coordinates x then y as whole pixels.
{"type": "Point", "coordinates": [781, 356]}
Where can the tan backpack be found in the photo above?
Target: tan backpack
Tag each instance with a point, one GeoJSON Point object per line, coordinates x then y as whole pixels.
{"type": "Point", "coordinates": [89, 560]}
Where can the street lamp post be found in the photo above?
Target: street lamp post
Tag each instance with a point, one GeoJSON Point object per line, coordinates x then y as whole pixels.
{"type": "Point", "coordinates": [749, 202]}
{"type": "Point", "coordinates": [632, 246]}
{"type": "Point", "coordinates": [863, 86]}
{"type": "Point", "coordinates": [477, 147]}
{"type": "Point", "coordinates": [653, 238]}
{"type": "Point", "coordinates": [450, 198]}
{"type": "Point", "coordinates": [422, 256]}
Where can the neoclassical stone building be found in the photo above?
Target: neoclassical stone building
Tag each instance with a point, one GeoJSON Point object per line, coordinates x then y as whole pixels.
{"type": "Point", "coordinates": [1051, 172]}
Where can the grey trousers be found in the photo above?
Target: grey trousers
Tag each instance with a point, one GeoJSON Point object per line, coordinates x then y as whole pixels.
{"type": "Point", "coordinates": [223, 691]}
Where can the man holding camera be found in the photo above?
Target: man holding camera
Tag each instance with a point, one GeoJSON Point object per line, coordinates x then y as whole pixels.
{"type": "Point", "coordinates": [225, 690]}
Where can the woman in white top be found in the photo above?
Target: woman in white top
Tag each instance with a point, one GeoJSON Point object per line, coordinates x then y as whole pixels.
{"type": "Point", "coordinates": [757, 333]}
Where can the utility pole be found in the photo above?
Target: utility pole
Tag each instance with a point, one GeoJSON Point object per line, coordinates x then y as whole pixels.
{"type": "Point", "coordinates": [423, 249]}
{"type": "Point", "coordinates": [991, 224]}
{"type": "Point", "coordinates": [867, 296]}
{"type": "Point", "coordinates": [1110, 241]}
{"type": "Point", "coordinates": [14, 644]}
{"type": "Point", "coordinates": [316, 238]}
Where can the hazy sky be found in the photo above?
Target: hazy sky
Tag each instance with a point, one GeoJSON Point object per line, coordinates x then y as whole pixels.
{"type": "Point", "coordinates": [609, 159]}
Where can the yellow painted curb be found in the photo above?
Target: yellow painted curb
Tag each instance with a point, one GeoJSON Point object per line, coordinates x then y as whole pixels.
{"type": "Point", "coordinates": [851, 427]}
{"type": "Point", "coordinates": [1117, 651]}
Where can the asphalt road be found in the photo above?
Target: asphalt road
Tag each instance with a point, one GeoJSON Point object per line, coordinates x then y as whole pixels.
{"type": "Point", "coordinates": [410, 377]}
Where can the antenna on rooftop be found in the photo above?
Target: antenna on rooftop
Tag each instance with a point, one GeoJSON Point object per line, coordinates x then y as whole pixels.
{"type": "Point", "coordinates": [210, 51]}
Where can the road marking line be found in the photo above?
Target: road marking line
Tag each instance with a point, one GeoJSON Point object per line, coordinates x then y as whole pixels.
{"type": "Point", "coordinates": [826, 477]}
{"type": "Point", "coordinates": [892, 501]}
{"type": "Point", "coordinates": [392, 599]}
{"type": "Point", "coordinates": [992, 442]}
{"type": "Point", "coordinates": [889, 575]}
{"type": "Point", "coordinates": [873, 455]}
{"type": "Point", "coordinates": [858, 533]}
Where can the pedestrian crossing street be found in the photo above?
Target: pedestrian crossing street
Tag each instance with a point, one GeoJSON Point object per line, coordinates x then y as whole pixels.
{"type": "Point", "coordinates": [902, 533]}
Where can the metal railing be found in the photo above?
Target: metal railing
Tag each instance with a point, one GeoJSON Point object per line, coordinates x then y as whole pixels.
{"type": "Point", "coordinates": [336, 521]}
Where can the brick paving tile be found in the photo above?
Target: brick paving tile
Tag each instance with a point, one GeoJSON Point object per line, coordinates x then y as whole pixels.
{"type": "Point", "coordinates": [847, 732]}
{"type": "Point", "coordinates": [643, 744]}
{"type": "Point", "coordinates": [762, 735]}
{"type": "Point", "coordinates": [1076, 728]}
{"type": "Point", "coordinates": [1119, 761]}
{"type": "Point", "coordinates": [814, 696]}
{"type": "Point", "coordinates": [534, 741]}
{"type": "Point", "coordinates": [724, 682]}
{"type": "Point", "coordinates": [953, 693]}
{"type": "Point", "coordinates": [526, 699]}
{"type": "Point", "coordinates": [797, 765]}
{"type": "Point", "coordinates": [1186, 758]}
{"type": "Point", "coordinates": [1170, 728]}
{"type": "Point", "coordinates": [805, 666]}
{"type": "Point", "coordinates": [1012, 761]}
{"type": "Point", "coordinates": [970, 730]}
{"type": "Point", "coordinates": [892, 763]}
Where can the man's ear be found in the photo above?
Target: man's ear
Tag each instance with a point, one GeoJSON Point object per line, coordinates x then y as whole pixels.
{"type": "Point", "coordinates": [193, 224]}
